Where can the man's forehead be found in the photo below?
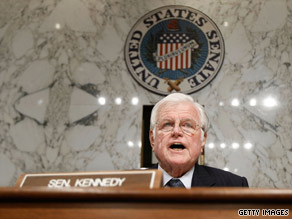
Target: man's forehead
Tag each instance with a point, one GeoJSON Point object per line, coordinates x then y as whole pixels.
{"type": "Point", "coordinates": [177, 109]}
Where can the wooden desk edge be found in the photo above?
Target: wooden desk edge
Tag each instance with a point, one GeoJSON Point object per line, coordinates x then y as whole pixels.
{"type": "Point", "coordinates": [138, 194]}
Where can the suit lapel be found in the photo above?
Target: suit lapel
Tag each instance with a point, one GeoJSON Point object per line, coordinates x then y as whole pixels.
{"type": "Point", "coordinates": [201, 177]}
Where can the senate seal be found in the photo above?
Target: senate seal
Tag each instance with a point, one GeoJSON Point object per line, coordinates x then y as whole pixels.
{"type": "Point", "coordinates": [174, 49]}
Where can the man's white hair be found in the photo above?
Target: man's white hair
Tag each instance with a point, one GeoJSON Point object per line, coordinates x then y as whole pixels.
{"type": "Point", "coordinates": [178, 98]}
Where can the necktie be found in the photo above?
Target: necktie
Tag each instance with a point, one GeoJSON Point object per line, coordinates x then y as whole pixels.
{"type": "Point", "coordinates": [175, 183]}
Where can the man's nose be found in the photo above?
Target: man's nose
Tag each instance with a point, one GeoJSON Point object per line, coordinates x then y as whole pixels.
{"type": "Point", "coordinates": [177, 131]}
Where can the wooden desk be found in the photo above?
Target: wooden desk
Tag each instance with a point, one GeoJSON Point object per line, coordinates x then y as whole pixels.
{"type": "Point", "coordinates": [163, 203]}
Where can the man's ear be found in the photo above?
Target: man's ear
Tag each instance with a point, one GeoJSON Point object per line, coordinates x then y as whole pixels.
{"type": "Point", "coordinates": [204, 142]}
{"type": "Point", "coordinates": [151, 138]}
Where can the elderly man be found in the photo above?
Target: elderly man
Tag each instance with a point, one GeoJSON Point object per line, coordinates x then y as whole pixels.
{"type": "Point", "coordinates": [178, 132]}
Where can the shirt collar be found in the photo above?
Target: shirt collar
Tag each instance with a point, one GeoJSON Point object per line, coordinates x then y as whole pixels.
{"type": "Point", "coordinates": [186, 179]}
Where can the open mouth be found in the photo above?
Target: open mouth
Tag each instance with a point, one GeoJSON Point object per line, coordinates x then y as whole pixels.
{"type": "Point", "coordinates": [177, 147]}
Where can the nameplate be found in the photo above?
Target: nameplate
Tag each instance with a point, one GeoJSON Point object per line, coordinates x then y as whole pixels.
{"type": "Point", "coordinates": [107, 179]}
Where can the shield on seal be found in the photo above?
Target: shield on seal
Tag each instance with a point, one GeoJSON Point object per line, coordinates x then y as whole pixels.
{"type": "Point", "coordinates": [174, 48]}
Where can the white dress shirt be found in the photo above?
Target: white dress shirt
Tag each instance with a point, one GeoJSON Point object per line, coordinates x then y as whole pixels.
{"type": "Point", "coordinates": [186, 179]}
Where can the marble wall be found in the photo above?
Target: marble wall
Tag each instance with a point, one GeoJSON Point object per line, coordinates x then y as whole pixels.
{"type": "Point", "coordinates": [68, 102]}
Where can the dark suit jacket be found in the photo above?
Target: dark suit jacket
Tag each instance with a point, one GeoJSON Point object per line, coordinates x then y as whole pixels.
{"type": "Point", "coordinates": [205, 176]}
{"type": "Point", "coordinates": [209, 176]}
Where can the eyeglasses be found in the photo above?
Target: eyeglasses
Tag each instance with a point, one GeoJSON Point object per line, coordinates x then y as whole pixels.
{"type": "Point", "coordinates": [188, 126]}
